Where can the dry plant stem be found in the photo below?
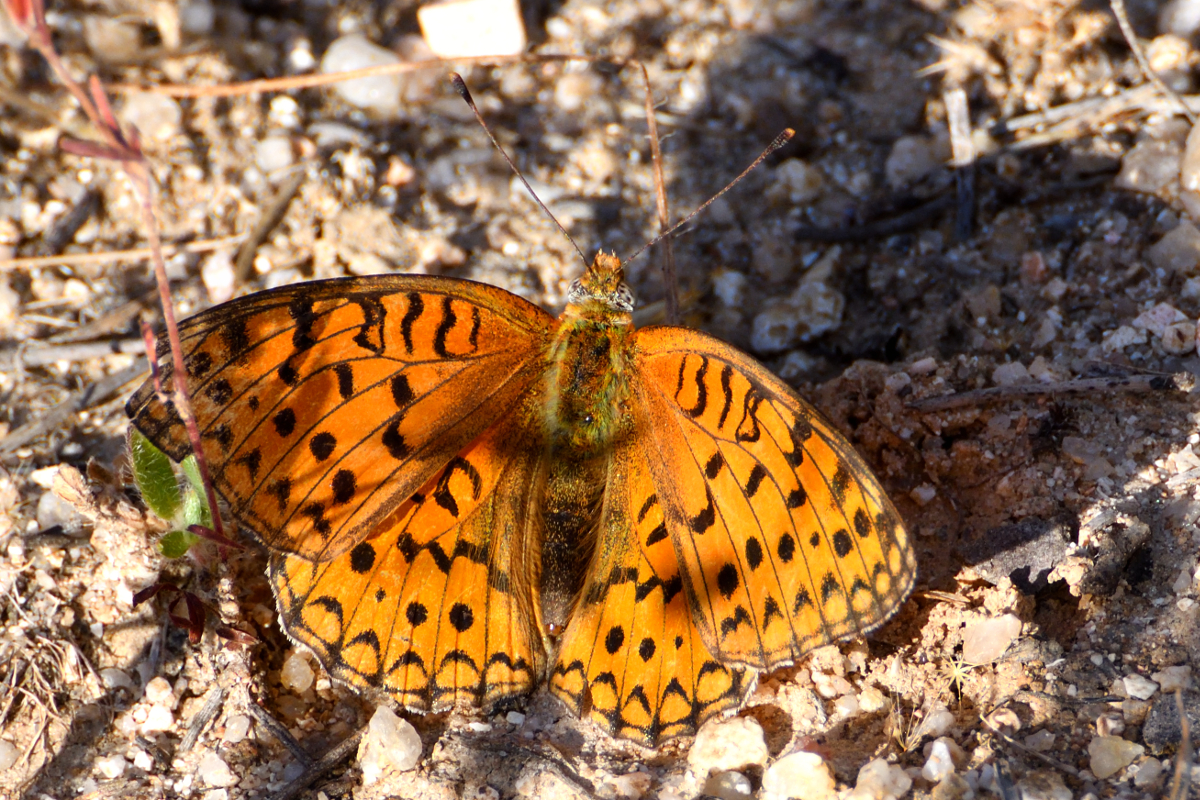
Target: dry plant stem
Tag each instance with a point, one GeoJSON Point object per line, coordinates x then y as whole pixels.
{"type": "Point", "coordinates": [1118, 7]}
{"type": "Point", "coordinates": [1067, 768]}
{"type": "Point", "coordinates": [670, 280]}
{"type": "Point", "coordinates": [110, 256]}
{"type": "Point", "coordinates": [1183, 771]}
{"type": "Point", "coordinates": [204, 716]}
{"type": "Point", "coordinates": [1181, 382]}
{"type": "Point", "coordinates": [281, 733]}
{"type": "Point", "coordinates": [328, 761]}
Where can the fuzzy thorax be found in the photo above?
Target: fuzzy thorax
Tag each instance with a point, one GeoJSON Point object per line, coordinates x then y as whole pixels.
{"type": "Point", "coordinates": [587, 378]}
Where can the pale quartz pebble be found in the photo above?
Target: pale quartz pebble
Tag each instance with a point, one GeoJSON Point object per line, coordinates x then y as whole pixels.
{"type": "Point", "coordinates": [730, 287]}
{"type": "Point", "coordinates": [796, 182]}
{"type": "Point", "coordinates": [143, 760]}
{"type": "Point", "coordinates": [274, 154]}
{"type": "Point", "coordinates": [475, 726]}
{"type": "Point", "coordinates": [728, 786]}
{"type": "Point", "coordinates": [630, 786]}
{"type": "Point", "coordinates": [113, 41]}
{"type": "Point", "coordinates": [1178, 250]}
{"type": "Point", "coordinates": [1134, 712]}
{"type": "Point", "coordinates": [8, 754]}
{"type": "Point", "coordinates": [986, 640]}
{"type": "Point", "coordinates": [1148, 773]}
{"type": "Point", "coordinates": [1173, 678]}
{"type": "Point", "coordinates": [237, 728]}
{"type": "Point", "coordinates": [953, 787]}
{"type": "Point", "coordinates": [156, 116]}
{"type": "Point", "coordinates": [1046, 333]}
{"type": "Point", "coordinates": [957, 755]}
{"type": "Point", "coordinates": [390, 744]}
{"type": "Point", "coordinates": [801, 774]}
{"type": "Point", "coordinates": [923, 494]}
{"type": "Point", "coordinates": [845, 706]}
{"type": "Point", "coordinates": [111, 766]}
{"type": "Point", "coordinates": [379, 94]}
{"type": "Point", "coordinates": [937, 723]}
{"type": "Point", "coordinates": [897, 381]}
{"type": "Point", "coordinates": [196, 17]}
{"type": "Point", "coordinates": [830, 686]}
{"type": "Point", "coordinates": [158, 690]}
{"type": "Point", "coordinates": [1180, 17]}
{"type": "Point", "coordinates": [911, 158]}
{"type": "Point", "coordinates": [158, 719]}
{"type": "Point", "coordinates": [923, 366]}
{"type": "Point", "coordinates": [1108, 755]}
{"type": "Point", "coordinates": [1042, 784]}
{"type": "Point", "coordinates": [723, 745]}
{"type": "Point", "coordinates": [1150, 166]}
{"type": "Point", "coordinates": [1009, 374]}
{"type": "Point", "coordinates": [871, 699]}
{"type": "Point", "coordinates": [1139, 686]}
{"type": "Point", "coordinates": [468, 28]}
{"type": "Point", "coordinates": [1110, 723]}
{"type": "Point", "coordinates": [797, 364]}
{"type": "Point", "coordinates": [878, 780]}
{"type": "Point", "coordinates": [775, 329]}
{"type": "Point", "coordinates": [1005, 719]}
{"type": "Point", "coordinates": [575, 89]}
{"type": "Point", "coordinates": [1180, 338]}
{"type": "Point", "coordinates": [1156, 320]}
{"type": "Point", "coordinates": [213, 771]}
{"type": "Point", "coordinates": [217, 274]}
{"type": "Point", "coordinates": [1189, 167]}
{"type": "Point", "coordinates": [939, 764]}
{"type": "Point", "coordinates": [515, 718]}
{"type": "Point", "coordinates": [812, 310]}
{"type": "Point", "coordinates": [1124, 336]}
{"type": "Point", "coordinates": [113, 678]}
{"type": "Point", "coordinates": [297, 675]}
{"type": "Point", "coordinates": [1040, 741]}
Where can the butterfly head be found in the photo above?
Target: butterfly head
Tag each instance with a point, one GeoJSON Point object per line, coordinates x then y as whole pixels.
{"type": "Point", "coordinates": [603, 283]}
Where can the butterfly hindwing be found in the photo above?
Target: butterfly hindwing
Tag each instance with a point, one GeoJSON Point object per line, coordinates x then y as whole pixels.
{"type": "Point", "coordinates": [632, 648]}
{"type": "Point", "coordinates": [435, 609]}
{"type": "Point", "coordinates": [785, 540]}
{"type": "Point", "coordinates": [322, 406]}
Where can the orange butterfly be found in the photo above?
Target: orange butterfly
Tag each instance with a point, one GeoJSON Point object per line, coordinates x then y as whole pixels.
{"type": "Point", "coordinates": [465, 496]}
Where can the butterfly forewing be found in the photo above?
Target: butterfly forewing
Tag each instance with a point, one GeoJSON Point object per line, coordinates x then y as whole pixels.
{"type": "Point", "coordinates": [785, 540]}
{"type": "Point", "coordinates": [434, 609]}
{"type": "Point", "coordinates": [323, 406]}
{"type": "Point", "coordinates": [632, 645]}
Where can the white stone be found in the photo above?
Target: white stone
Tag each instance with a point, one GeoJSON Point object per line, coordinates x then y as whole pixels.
{"type": "Point", "coordinates": [871, 699]}
{"type": "Point", "coordinates": [878, 780]}
{"type": "Point", "coordinates": [158, 719]}
{"type": "Point", "coordinates": [730, 287]}
{"type": "Point", "coordinates": [196, 17]}
{"type": "Point", "coordinates": [801, 774]}
{"type": "Point", "coordinates": [465, 28]}
{"type": "Point", "coordinates": [158, 690]}
{"type": "Point", "coordinates": [515, 718]}
{"type": "Point", "coordinates": [845, 706]}
{"type": "Point", "coordinates": [1008, 374]}
{"type": "Point", "coordinates": [923, 494]}
{"type": "Point", "coordinates": [1042, 784]}
{"type": "Point", "coordinates": [1040, 741]}
{"type": "Point", "coordinates": [9, 753]}
{"type": "Point", "coordinates": [1173, 678]}
{"type": "Point", "coordinates": [379, 94]}
{"type": "Point", "coordinates": [1156, 320]}
{"type": "Point", "coordinates": [111, 766]}
{"type": "Point", "coordinates": [1150, 166]}
{"type": "Point", "coordinates": [1178, 250]}
{"type": "Point", "coordinates": [1180, 338]}
{"type": "Point", "coordinates": [723, 745]}
{"type": "Point", "coordinates": [111, 40]}
{"type": "Point", "coordinates": [390, 744]}
{"type": "Point", "coordinates": [297, 675]}
{"type": "Point", "coordinates": [631, 786]}
{"type": "Point", "coordinates": [213, 771]}
{"type": "Point", "coordinates": [143, 760]}
{"type": "Point", "coordinates": [796, 182]}
{"type": "Point", "coordinates": [728, 786]}
{"type": "Point", "coordinates": [1148, 773]}
{"type": "Point", "coordinates": [1140, 686]}
{"type": "Point", "coordinates": [156, 116]}
{"type": "Point", "coordinates": [1180, 17]}
{"type": "Point", "coordinates": [911, 158]}
{"type": "Point", "coordinates": [274, 154]}
{"type": "Point", "coordinates": [938, 723]}
{"type": "Point", "coordinates": [939, 764]}
{"type": "Point", "coordinates": [986, 640]}
{"type": "Point", "coordinates": [1124, 336]}
{"type": "Point", "coordinates": [237, 728]}
{"type": "Point", "coordinates": [113, 678]}
{"type": "Point", "coordinates": [217, 274]}
{"type": "Point", "coordinates": [1110, 754]}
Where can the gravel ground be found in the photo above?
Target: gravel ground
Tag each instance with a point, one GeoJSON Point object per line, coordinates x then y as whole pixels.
{"type": "Point", "coordinates": [1052, 288]}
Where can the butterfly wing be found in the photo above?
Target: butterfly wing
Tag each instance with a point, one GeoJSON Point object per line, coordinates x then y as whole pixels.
{"type": "Point", "coordinates": [323, 406]}
{"type": "Point", "coordinates": [632, 648]}
{"type": "Point", "coordinates": [436, 609]}
{"type": "Point", "coordinates": [785, 540]}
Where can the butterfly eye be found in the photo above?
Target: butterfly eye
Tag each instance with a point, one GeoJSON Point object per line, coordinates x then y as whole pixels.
{"type": "Point", "coordinates": [588, 419]}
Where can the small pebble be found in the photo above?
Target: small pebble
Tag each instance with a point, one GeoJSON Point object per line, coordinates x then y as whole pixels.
{"type": "Point", "coordinates": [1009, 374]}
{"type": "Point", "coordinates": [1180, 17]}
{"type": "Point", "coordinates": [986, 640]}
{"type": "Point", "coordinates": [1139, 686]}
{"type": "Point", "coordinates": [1150, 166]}
{"type": "Point", "coordinates": [237, 728]}
{"type": "Point", "coordinates": [1116, 340]}
{"type": "Point", "coordinates": [217, 274]}
{"type": "Point", "coordinates": [911, 158]}
{"type": "Point", "coordinates": [143, 760]}
{"type": "Point", "coordinates": [515, 718]}
{"type": "Point", "coordinates": [731, 744]}
{"type": "Point", "coordinates": [390, 744]}
{"type": "Point", "coordinates": [939, 764]}
{"type": "Point", "coordinates": [796, 182]}
{"type": "Point", "coordinates": [631, 786]}
{"type": "Point", "coordinates": [1178, 250]}
{"type": "Point", "coordinates": [1043, 784]}
{"type": "Point", "coordinates": [113, 678]}
{"type": "Point", "coordinates": [952, 787]}
{"type": "Point", "coordinates": [1110, 723]}
{"type": "Point", "coordinates": [379, 94]}
{"type": "Point", "coordinates": [8, 754]}
{"type": "Point", "coordinates": [1180, 338]}
{"type": "Point", "coordinates": [1173, 678]}
{"type": "Point", "coordinates": [297, 675]}
{"type": "Point", "coordinates": [1110, 754]}
{"type": "Point", "coordinates": [158, 690]}
{"type": "Point", "coordinates": [878, 780]}
{"type": "Point", "coordinates": [1148, 773]}
{"type": "Point", "coordinates": [274, 154]}
{"type": "Point", "coordinates": [938, 723]}
{"type": "Point", "coordinates": [196, 17]}
{"type": "Point", "coordinates": [158, 719]}
{"type": "Point", "coordinates": [156, 116]}
{"type": "Point", "coordinates": [111, 766]}
{"type": "Point", "coordinates": [799, 774]}
{"type": "Point", "coordinates": [466, 28]}
{"type": "Point", "coordinates": [728, 786]}
{"type": "Point", "coordinates": [1157, 319]}
{"type": "Point", "coordinates": [111, 40]}
{"type": "Point", "coordinates": [730, 287]}
{"type": "Point", "coordinates": [1040, 741]}
{"type": "Point", "coordinates": [213, 771]}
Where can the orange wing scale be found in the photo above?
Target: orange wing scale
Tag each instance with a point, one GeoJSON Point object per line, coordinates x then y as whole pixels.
{"type": "Point", "coordinates": [323, 406]}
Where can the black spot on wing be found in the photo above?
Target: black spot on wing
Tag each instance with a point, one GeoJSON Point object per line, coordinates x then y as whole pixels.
{"type": "Point", "coordinates": [345, 379]}
{"type": "Point", "coordinates": [754, 552]}
{"type": "Point", "coordinates": [786, 549]}
{"type": "Point", "coordinates": [726, 394]}
{"type": "Point", "coordinates": [220, 392]}
{"type": "Point", "coordinates": [770, 612]}
{"type": "Point", "coordinates": [757, 473]}
{"type": "Point", "coordinates": [730, 624]}
{"type": "Point", "coordinates": [840, 483]}
{"type": "Point", "coordinates": [701, 389]}
{"type": "Point", "coordinates": [707, 516]}
{"type": "Point", "coordinates": [281, 490]}
{"type": "Point", "coordinates": [650, 503]}
{"type": "Point", "coordinates": [199, 364]}
{"type": "Point", "coordinates": [444, 327]}
{"type": "Point", "coordinates": [829, 587]}
{"type": "Point", "coordinates": [657, 535]}
{"type": "Point", "coordinates": [251, 461]}
{"type": "Point", "coordinates": [343, 485]}
{"type": "Point", "coordinates": [362, 557]}
{"type": "Point", "coordinates": [415, 306]}
{"type": "Point", "coordinates": [322, 445]}
{"type": "Point", "coordinates": [728, 580]}
{"type": "Point", "coordinates": [803, 600]}
{"type": "Point", "coordinates": [287, 373]}
{"type": "Point", "coordinates": [614, 639]}
{"type": "Point", "coordinates": [713, 468]}
{"type": "Point", "coordinates": [862, 524]}
{"type": "Point", "coordinates": [285, 422]}
{"type": "Point", "coordinates": [370, 333]}
{"type": "Point", "coordinates": [402, 393]}
{"type": "Point", "coordinates": [393, 440]}
{"type": "Point", "coordinates": [302, 314]}
{"type": "Point", "coordinates": [461, 617]}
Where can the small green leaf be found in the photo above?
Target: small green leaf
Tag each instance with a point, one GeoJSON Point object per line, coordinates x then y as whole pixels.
{"type": "Point", "coordinates": [175, 544]}
{"type": "Point", "coordinates": [154, 477]}
{"type": "Point", "coordinates": [195, 502]}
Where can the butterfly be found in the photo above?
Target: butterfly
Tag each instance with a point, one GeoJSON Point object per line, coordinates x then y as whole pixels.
{"type": "Point", "coordinates": [464, 497]}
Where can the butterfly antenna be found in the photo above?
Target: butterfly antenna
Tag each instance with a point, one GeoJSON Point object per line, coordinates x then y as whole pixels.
{"type": "Point", "coordinates": [779, 142]}
{"type": "Point", "coordinates": [460, 86]}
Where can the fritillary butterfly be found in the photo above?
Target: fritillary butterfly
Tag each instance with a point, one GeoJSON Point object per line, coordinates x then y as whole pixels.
{"type": "Point", "coordinates": [465, 496]}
